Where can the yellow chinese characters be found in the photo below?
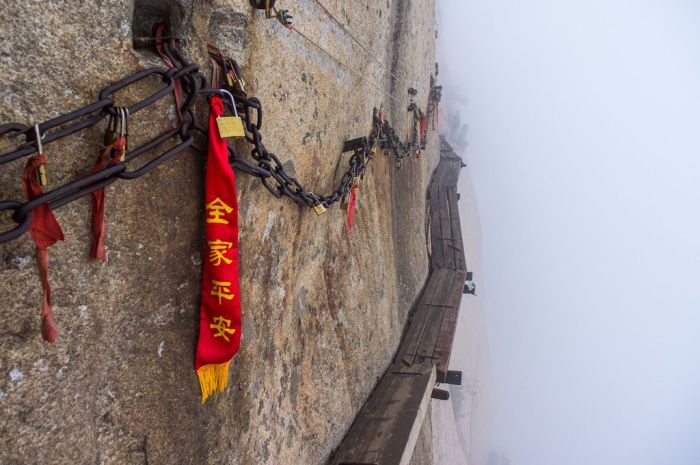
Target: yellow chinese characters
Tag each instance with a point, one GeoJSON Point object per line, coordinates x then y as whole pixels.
{"type": "Point", "coordinates": [221, 290]}
{"type": "Point", "coordinates": [222, 327]}
{"type": "Point", "coordinates": [217, 252]}
{"type": "Point", "coordinates": [216, 209]}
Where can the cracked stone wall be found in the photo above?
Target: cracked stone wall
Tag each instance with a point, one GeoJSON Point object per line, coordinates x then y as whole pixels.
{"type": "Point", "coordinates": [322, 314]}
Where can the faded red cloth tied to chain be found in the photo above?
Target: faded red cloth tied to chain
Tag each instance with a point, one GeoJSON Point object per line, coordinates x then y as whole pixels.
{"type": "Point", "coordinates": [220, 309]}
{"type": "Point", "coordinates": [111, 153]}
{"type": "Point", "coordinates": [44, 231]}
{"type": "Point", "coordinates": [423, 129]}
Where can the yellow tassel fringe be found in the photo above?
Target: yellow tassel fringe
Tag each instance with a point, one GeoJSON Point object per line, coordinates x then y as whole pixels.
{"type": "Point", "coordinates": [212, 379]}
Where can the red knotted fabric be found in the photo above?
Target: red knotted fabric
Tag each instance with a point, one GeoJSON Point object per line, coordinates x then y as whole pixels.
{"type": "Point", "coordinates": [352, 202]}
{"type": "Point", "coordinates": [220, 310]}
{"type": "Point", "coordinates": [109, 154]}
{"type": "Point", "coordinates": [423, 129]}
{"type": "Point", "coordinates": [44, 231]}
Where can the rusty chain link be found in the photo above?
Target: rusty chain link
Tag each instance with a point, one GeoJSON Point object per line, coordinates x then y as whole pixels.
{"type": "Point", "coordinates": [266, 166]}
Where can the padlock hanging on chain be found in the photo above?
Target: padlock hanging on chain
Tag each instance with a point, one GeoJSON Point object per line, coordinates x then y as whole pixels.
{"type": "Point", "coordinates": [112, 130]}
{"type": "Point", "coordinates": [266, 5]}
{"type": "Point", "coordinates": [119, 154]}
{"type": "Point", "coordinates": [41, 171]}
{"type": "Point", "coordinates": [233, 78]}
{"type": "Point", "coordinates": [230, 127]}
{"type": "Point", "coordinates": [318, 207]}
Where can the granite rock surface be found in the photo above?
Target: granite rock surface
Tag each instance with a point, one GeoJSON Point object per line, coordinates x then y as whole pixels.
{"type": "Point", "coordinates": [323, 313]}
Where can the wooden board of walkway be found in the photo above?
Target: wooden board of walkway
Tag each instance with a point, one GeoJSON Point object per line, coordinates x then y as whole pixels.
{"type": "Point", "coordinates": [386, 429]}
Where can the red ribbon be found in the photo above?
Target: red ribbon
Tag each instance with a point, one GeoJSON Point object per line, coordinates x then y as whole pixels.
{"type": "Point", "coordinates": [99, 231]}
{"type": "Point", "coordinates": [423, 129]}
{"type": "Point", "coordinates": [44, 231]}
{"type": "Point", "coordinates": [220, 310]}
{"type": "Point", "coordinates": [350, 221]}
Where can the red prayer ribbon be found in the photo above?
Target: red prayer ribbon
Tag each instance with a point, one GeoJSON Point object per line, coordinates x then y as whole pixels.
{"type": "Point", "coordinates": [220, 310]}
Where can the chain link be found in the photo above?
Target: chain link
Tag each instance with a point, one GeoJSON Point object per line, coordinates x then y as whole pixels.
{"type": "Point", "coordinates": [186, 76]}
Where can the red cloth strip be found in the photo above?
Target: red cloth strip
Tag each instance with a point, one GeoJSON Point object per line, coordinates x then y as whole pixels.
{"type": "Point", "coordinates": [423, 129]}
{"type": "Point", "coordinates": [220, 310]}
{"type": "Point", "coordinates": [99, 231]}
{"type": "Point", "coordinates": [44, 231]}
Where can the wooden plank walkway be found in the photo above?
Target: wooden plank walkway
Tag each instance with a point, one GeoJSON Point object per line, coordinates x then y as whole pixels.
{"type": "Point", "coordinates": [386, 428]}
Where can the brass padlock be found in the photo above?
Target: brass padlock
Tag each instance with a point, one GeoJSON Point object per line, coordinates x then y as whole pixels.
{"type": "Point", "coordinates": [41, 171]}
{"type": "Point", "coordinates": [43, 179]}
{"type": "Point", "coordinates": [239, 85]}
{"type": "Point", "coordinates": [119, 153]}
{"type": "Point", "coordinates": [319, 209]}
{"type": "Point", "coordinates": [229, 79]}
{"type": "Point", "coordinates": [111, 131]}
{"type": "Point", "coordinates": [230, 126]}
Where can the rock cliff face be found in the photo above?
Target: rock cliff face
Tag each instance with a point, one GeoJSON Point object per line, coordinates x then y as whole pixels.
{"type": "Point", "coordinates": [322, 314]}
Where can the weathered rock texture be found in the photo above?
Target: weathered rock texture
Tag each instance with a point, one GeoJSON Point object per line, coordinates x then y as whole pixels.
{"type": "Point", "coordinates": [322, 314]}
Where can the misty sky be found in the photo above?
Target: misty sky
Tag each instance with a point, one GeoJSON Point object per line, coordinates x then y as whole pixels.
{"type": "Point", "coordinates": [585, 152]}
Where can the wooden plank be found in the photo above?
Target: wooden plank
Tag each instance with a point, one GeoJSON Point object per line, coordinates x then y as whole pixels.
{"type": "Point", "coordinates": [430, 334]}
{"type": "Point", "coordinates": [435, 231]}
{"type": "Point", "coordinates": [448, 255]}
{"type": "Point", "coordinates": [456, 231]}
{"type": "Point", "coordinates": [378, 431]}
{"type": "Point", "coordinates": [365, 421]}
{"type": "Point", "coordinates": [387, 426]}
{"type": "Point", "coordinates": [351, 441]}
{"type": "Point", "coordinates": [443, 298]}
{"type": "Point", "coordinates": [458, 246]}
{"type": "Point", "coordinates": [455, 297]}
{"type": "Point", "coordinates": [431, 328]}
{"type": "Point", "coordinates": [445, 338]}
{"type": "Point", "coordinates": [451, 177]}
{"type": "Point", "coordinates": [411, 341]}
{"type": "Point", "coordinates": [406, 429]}
{"type": "Point", "coordinates": [445, 229]}
{"type": "Point", "coordinates": [443, 345]}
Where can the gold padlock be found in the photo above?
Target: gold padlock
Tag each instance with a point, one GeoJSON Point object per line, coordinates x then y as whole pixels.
{"type": "Point", "coordinates": [230, 127]}
{"type": "Point", "coordinates": [41, 171]}
{"type": "Point", "coordinates": [319, 209]}
{"type": "Point", "coordinates": [239, 85]}
{"type": "Point", "coordinates": [43, 180]}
